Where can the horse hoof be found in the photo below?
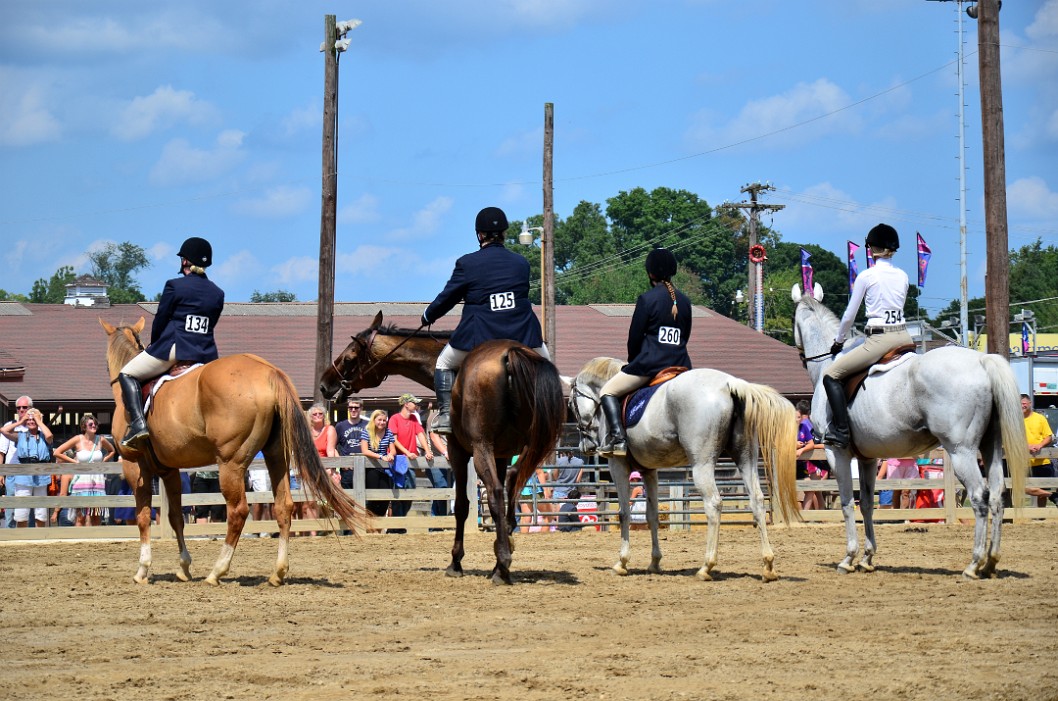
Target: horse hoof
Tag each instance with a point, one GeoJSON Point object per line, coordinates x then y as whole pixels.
{"type": "Point", "coordinates": [454, 571]}
{"type": "Point", "coordinates": [654, 569]}
{"type": "Point", "coordinates": [141, 580]}
{"type": "Point", "coordinates": [620, 569]}
{"type": "Point", "coordinates": [499, 580]}
{"type": "Point", "coordinates": [275, 580]}
{"type": "Point", "coordinates": [769, 576]}
{"type": "Point", "coordinates": [866, 567]}
{"type": "Point", "coordinates": [970, 573]}
{"type": "Point", "coordinates": [845, 568]}
{"type": "Point", "coordinates": [212, 580]}
{"type": "Point", "coordinates": [703, 574]}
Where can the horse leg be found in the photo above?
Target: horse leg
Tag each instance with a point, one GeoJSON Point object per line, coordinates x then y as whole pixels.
{"type": "Point", "coordinates": [747, 465]}
{"type": "Point", "coordinates": [485, 465]}
{"type": "Point", "coordinates": [141, 488]}
{"type": "Point", "coordinates": [171, 480]}
{"type": "Point", "coordinates": [459, 459]}
{"type": "Point", "coordinates": [650, 483]}
{"type": "Point", "coordinates": [282, 508]}
{"type": "Point", "coordinates": [840, 462]}
{"type": "Point", "coordinates": [702, 473]}
{"type": "Point", "coordinates": [868, 472]}
{"type": "Point", "coordinates": [619, 474]}
{"type": "Point", "coordinates": [233, 487]}
{"type": "Point", "coordinates": [983, 499]}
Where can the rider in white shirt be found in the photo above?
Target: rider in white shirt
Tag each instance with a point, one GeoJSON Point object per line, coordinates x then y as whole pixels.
{"type": "Point", "coordinates": [884, 288]}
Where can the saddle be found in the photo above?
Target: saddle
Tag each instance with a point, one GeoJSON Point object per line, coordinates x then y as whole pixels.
{"type": "Point", "coordinates": [151, 387]}
{"type": "Point", "coordinates": [635, 404]}
{"type": "Point", "coordinates": [854, 382]}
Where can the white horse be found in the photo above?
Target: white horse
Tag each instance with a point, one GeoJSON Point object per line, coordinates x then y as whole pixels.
{"type": "Point", "coordinates": [693, 420]}
{"type": "Point", "coordinates": [954, 397]}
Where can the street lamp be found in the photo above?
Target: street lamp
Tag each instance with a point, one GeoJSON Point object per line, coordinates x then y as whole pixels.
{"type": "Point", "coordinates": [525, 237]}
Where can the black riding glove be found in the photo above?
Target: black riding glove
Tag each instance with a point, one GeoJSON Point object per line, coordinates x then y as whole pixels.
{"type": "Point", "coordinates": [836, 348]}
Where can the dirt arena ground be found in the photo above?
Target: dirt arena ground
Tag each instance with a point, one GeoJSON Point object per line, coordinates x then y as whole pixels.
{"type": "Point", "coordinates": [378, 619]}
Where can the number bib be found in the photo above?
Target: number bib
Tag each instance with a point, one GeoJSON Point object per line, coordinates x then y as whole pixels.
{"type": "Point", "coordinates": [669, 335]}
{"type": "Point", "coordinates": [194, 323]}
{"type": "Point", "coordinates": [501, 301]}
{"type": "Point", "coordinates": [893, 316]}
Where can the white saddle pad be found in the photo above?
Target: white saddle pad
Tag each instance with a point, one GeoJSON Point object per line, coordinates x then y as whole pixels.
{"type": "Point", "coordinates": [162, 380]}
{"type": "Point", "coordinates": [877, 369]}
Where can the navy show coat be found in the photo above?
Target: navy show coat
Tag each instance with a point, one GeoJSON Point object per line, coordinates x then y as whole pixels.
{"type": "Point", "coordinates": [656, 340]}
{"type": "Point", "coordinates": [493, 285]}
{"type": "Point", "coordinates": [187, 314]}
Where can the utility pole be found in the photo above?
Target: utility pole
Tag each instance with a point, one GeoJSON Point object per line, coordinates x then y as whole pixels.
{"type": "Point", "coordinates": [547, 236]}
{"type": "Point", "coordinates": [328, 205]}
{"type": "Point", "coordinates": [755, 296]}
{"type": "Point", "coordinates": [997, 290]}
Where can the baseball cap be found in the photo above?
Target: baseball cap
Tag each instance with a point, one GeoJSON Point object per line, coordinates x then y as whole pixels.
{"type": "Point", "coordinates": [408, 397]}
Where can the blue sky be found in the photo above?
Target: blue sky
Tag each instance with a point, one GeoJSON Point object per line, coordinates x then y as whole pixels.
{"type": "Point", "coordinates": [151, 122]}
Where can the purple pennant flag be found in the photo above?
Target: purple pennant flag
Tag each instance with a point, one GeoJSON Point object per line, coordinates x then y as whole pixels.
{"type": "Point", "coordinates": [923, 259]}
{"type": "Point", "coordinates": [1024, 339]}
{"type": "Point", "coordinates": [870, 258]}
{"type": "Point", "coordinates": [853, 268]}
{"type": "Point", "coordinates": [806, 272]}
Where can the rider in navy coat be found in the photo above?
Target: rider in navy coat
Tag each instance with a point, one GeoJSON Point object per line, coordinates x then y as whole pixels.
{"type": "Point", "coordinates": [187, 313]}
{"type": "Point", "coordinates": [493, 285]}
{"type": "Point", "coordinates": [657, 339]}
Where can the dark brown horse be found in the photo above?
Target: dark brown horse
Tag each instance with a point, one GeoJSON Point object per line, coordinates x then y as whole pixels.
{"type": "Point", "coordinates": [223, 412]}
{"type": "Point", "coordinates": [506, 401]}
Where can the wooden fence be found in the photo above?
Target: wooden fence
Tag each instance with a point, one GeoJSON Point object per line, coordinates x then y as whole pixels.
{"type": "Point", "coordinates": [680, 501]}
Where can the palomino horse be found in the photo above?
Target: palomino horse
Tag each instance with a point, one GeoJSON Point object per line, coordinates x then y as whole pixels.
{"type": "Point", "coordinates": [506, 401]}
{"type": "Point", "coordinates": [693, 419]}
{"type": "Point", "coordinates": [957, 398]}
{"type": "Point", "coordinates": [223, 412]}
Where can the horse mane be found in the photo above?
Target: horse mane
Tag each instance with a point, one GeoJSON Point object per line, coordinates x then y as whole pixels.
{"type": "Point", "coordinates": [599, 370]}
{"type": "Point", "coordinates": [391, 330]}
{"type": "Point", "coordinates": [827, 318]}
{"type": "Point", "coordinates": [120, 348]}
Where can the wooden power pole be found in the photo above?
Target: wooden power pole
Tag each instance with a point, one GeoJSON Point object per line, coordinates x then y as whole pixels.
{"type": "Point", "coordinates": [997, 281]}
{"type": "Point", "coordinates": [547, 238]}
{"type": "Point", "coordinates": [754, 208]}
{"type": "Point", "coordinates": [328, 206]}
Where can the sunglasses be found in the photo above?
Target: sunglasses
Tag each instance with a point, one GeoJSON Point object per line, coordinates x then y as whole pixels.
{"type": "Point", "coordinates": [20, 407]}
{"type": "Point", "coordinates": [354, 406]}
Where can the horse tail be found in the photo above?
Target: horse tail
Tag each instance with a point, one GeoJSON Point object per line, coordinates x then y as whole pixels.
{"type": "Point", "coordinates": [1006, 402]}
{"type": "Point", "coordinates": [770, 417]}
{"type": "Point", "coordinates": [537, 390]}
{"type": "Point", "coordinates": [297, 444]}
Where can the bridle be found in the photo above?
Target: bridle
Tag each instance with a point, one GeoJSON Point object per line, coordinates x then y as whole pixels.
{"type": "Point", "coordinates": [811, 359]}
{"type": "Point", "coordinates": [139, 349]}
{"type": "Point", "coordinates": [576, 392]}
{"type": "Point", "coordinates": [361, 374]}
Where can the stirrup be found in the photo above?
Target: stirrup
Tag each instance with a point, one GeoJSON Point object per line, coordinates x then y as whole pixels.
{"type": "Point", "coordinates": [615, 450]}
{"type": "Point", "coordinates": [136, 440]}
{"type": "Point", "coordinates": [837, 441]}
{"type": "Point", "coordinates": [442, 423]}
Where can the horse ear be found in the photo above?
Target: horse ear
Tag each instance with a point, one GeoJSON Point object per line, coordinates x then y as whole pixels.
{"type": "Point", "coordinates": [378, 320]}
{"type": "Point", "coordinates": [107, 327]}
{"type": "Point", "coordinates": [567, 383]}
{"type": "Point", "coordinates": [817, 292]}
{"type": "Point", "coordinates": [795, 293]}
{"type": "Point", "coordinates": [138, 326]}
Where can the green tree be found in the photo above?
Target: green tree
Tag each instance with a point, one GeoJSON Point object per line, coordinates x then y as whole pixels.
{"type": "Point", "coordinates": [12, 296]}
{"type": "Point", "coordinates": [116, 265]}
{"type": "Point", "coordinates": [53, 290]}
{"type": "Point", "coordinates": [275, 296]}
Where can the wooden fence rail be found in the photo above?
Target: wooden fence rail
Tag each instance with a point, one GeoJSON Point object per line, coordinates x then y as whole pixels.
{"type": "Point", "coordinates": [680, 501]}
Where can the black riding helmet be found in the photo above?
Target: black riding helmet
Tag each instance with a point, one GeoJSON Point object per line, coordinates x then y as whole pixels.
{"type": "Point", "coordinates": [491, 220]}
{"type": "Point", "coordinates": [883, 236]}
{"type": "Point", "coordinates": [197, 251]}
{"type": "Point", "coordinates": [661, 264]}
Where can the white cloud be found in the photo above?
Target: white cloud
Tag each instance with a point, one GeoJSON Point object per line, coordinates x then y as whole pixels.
{"type": "Point", "coordinates": [309, 117]}
{"type": "Point", "coordinates": [25, 119]}
{"type": "Point", "coordinates": [776, 114]}
{"type": "Point", "coordinates": [297, 269]}
{"type": "Point", "coordinates": [1031, 198]}
{"type": "Point", "coordinates": [181, 163]}
{"type": "Point", "coordinates": [1045, 24]}
{"type": "Point", "coordinates": [369, 259]}
{"type": "Point", "coordinates": [242, 265]}
{"type": "Point", "coordinates": [281, 201]}
{"type": "Point", "coordinates": [161, 109]}
{"type": "Point", "coordinates": [528, 142]}
{"type": "Point", "coordinates": [424, 222]}
{"type": "Point", "coordinates": [362, 210]}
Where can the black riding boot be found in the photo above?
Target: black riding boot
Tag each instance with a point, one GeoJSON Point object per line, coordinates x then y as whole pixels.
{"type": "Point", "coordinates": [838, 430]}
{"type": "Point", "coordinates": [615, 432]}
{"type": "Point", "coordinates": [442, 385]}
{"type": "Point", "coordinates": [137, 431]}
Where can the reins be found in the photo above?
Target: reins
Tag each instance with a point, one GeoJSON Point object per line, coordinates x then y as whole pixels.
{"type": "Point", "coordinates": [346, 384]}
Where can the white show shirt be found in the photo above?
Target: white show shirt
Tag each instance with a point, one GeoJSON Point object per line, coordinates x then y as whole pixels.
{"type": "Point", "coordinates": [885, 289]}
